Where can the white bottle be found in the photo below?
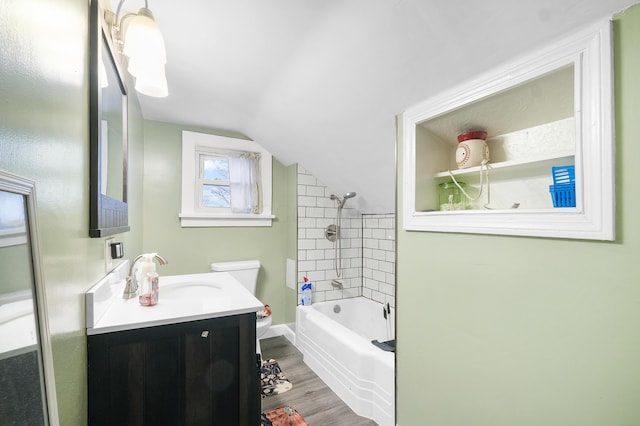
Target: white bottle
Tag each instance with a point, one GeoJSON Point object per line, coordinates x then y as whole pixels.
{"type": "Point", "coordinates": [148, 293]}
{"type": "Point", "coordinates": [306, 293]}
{"type": "Point", "coordinates": [307, 297]}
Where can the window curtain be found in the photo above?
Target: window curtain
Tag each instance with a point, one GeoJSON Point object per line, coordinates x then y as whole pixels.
{"type": "Point", "coordinates": [244, 183]}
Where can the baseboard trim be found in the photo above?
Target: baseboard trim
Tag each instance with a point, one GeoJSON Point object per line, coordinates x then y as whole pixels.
{"type": "Point", "coordinates": [286, 330]}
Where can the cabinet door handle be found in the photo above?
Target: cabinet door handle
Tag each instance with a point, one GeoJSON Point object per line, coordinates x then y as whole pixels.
{"type": "Point", "coordinates": [204, 334]}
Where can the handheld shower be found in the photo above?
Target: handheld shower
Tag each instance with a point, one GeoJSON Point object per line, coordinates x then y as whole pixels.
{"type": "Point", "coordinates": [332, 232]}
{"type": "Point", "coordinates": [348, 195]}
{"type": "Point", "coordinates": [344, 198]}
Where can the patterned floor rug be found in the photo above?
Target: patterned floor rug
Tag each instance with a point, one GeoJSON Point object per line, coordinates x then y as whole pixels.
{"type": "Point", "coordinates": [272, 380]}
{"type": "Point", "coordinates": [282, 416]}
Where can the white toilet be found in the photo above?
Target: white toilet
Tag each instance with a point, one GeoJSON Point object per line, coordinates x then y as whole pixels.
{"type": "Point", "coordinates": [246, 271]}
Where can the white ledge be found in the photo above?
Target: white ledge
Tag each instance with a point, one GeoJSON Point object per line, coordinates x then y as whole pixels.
{"type": "Point", "coordinates": [192, 220]}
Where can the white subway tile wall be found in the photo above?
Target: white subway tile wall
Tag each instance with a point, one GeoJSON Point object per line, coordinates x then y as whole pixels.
{"type": "Point", "coordinates": [368, 247]}
{"type": "Point", "coordinates": [379, 258]}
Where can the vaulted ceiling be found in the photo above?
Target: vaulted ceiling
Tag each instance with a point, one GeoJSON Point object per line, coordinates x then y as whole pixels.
{"type": "Point", "coordinates": [320, 82]}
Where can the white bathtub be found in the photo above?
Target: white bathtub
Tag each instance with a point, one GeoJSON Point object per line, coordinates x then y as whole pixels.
{"type": "Point", "coordinates": [338, 348]}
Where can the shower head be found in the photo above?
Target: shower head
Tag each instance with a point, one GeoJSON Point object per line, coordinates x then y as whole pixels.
{"type": "Point", "coordinates": [344, 198]}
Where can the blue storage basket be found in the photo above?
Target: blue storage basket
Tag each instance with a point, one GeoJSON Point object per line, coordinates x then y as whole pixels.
{"type": "Point", "coordinates": [563, 174]}
{"type": "Point", "coordinates": [563, 190]}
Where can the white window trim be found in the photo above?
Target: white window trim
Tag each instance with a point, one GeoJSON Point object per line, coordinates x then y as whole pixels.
{"type": "Point", "coordinates": [189, 215]}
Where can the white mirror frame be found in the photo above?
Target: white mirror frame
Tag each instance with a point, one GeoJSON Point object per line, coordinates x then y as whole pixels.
{"type": "Point", "coordinates": [25, 187]}
{"type": "Point", "coordinates": [590, 51]}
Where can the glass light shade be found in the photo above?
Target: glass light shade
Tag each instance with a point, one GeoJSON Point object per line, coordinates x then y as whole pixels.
{"type": "Point", "coordinates": [153, 82]}
{"type": "Point", "coordinates": [143, 40]}
{"type": "Point", "coordinates": [145, 50]}
{"type": "Point", "coordinates": [142, 65]}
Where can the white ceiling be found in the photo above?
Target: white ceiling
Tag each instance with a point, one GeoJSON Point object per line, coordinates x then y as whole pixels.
{"type": "Point", "coordinates": [319, 82]}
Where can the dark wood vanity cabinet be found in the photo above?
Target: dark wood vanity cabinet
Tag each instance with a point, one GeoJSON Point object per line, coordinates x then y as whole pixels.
{"type": "Point", "coordinates": [195, 373]}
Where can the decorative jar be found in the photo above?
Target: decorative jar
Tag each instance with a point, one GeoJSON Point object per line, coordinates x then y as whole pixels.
{"type": "Point", "coordinates": [472, 149]}
{"type": "Point", "coordinates": [450, 197]}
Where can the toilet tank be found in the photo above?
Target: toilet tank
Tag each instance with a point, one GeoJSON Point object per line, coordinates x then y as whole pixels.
{"type": "Point", "coordinates": [245, 271]}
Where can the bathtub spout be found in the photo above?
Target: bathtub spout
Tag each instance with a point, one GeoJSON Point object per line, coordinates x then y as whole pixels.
{"type": "Point", "coordinates": [337, 284]}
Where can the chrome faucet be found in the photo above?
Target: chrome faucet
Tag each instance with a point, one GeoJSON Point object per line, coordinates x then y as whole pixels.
{"type": "Point", "coordinates": [131, 287]}
{"type": "Point", "coordinates": [336, 284]}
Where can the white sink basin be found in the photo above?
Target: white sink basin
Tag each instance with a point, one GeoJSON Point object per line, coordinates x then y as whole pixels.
{"type": "Point", "coordinates": [190, 290]}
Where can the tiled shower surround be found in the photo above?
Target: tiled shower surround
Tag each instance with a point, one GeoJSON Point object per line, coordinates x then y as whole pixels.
{"type": "Point", "coordinates": [368, 246]}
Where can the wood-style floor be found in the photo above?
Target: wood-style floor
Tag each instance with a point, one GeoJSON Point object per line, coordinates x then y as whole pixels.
{"type": "Point", "coordinates": [313, 399]}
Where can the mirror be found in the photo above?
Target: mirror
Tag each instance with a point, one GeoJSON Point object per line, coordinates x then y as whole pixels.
{"type": "Point", "coordinates": [108, 213]}
{"type": "Point", "coordinates": [26, 366]}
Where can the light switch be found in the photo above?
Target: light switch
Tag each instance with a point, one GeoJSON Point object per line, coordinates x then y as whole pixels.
{"type": "Point", "coordinates": [117, 250]}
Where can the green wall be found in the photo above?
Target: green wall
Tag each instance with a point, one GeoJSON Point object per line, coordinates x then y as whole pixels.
{"type": "Point", "coordinates": [191, 250]}
{"type": "Point", "coordinates": [44, 128]}
{"type": "Point", "coordinates": [496, 330]}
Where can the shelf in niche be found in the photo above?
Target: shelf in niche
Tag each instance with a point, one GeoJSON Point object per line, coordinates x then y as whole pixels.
{"type": "Point", "coordinates": [520, 97]}
{"type": "Point", "coordinates": [532, 161]}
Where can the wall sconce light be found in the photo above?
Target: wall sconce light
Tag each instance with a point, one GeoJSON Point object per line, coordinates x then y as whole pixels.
{"type": "Point", "coordinates": [143, 45]}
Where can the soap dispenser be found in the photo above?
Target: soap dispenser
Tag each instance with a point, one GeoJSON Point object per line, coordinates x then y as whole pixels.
{"type": "Point", "coordinates": [149, 281]}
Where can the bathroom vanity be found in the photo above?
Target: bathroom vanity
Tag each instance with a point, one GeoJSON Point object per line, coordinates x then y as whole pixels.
{"type": "Point", "coordinates": [190, 360]}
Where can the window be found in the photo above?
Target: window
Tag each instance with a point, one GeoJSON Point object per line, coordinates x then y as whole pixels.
{"type": "Point", "coordinates": [213, 182]}
{"type": "Point", "coordinates": [225, 182]}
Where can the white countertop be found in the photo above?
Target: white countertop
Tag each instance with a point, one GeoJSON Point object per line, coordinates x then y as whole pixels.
{"type": "Point", "coordinates": [182, 298]}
